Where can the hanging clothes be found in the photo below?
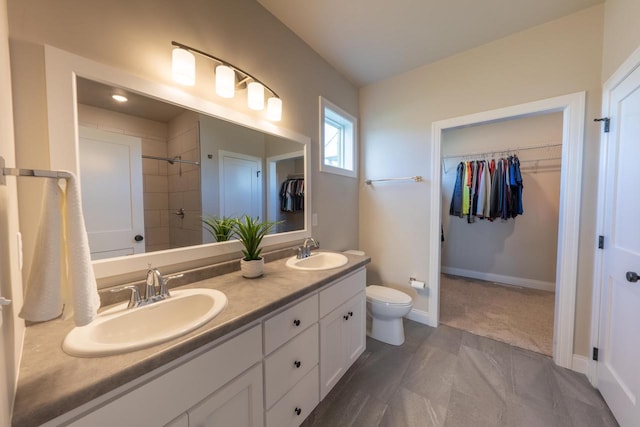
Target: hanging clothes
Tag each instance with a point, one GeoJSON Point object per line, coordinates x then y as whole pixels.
{"type": "Point", "coordinates": [292, 195]}
{"type": "Point", "coordinates": [488, 190]}
{"type": "Point", "coordinates": [455, 209]}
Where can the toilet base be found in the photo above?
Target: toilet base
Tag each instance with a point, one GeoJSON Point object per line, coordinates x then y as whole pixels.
{"type": "Point", "coordinates": [390, 331]}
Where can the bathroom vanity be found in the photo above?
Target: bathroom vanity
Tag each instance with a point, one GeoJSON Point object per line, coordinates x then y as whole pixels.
{"type": "Point", "coordinates": [278, 348]}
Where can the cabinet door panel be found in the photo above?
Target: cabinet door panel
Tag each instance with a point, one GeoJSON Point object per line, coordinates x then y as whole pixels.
{"type": "Point", "coordinates": [355, 329]}
{"type": "Point", "coordinates": [331, 351]}
{"type": "Point", "coordinates": [237, 404]}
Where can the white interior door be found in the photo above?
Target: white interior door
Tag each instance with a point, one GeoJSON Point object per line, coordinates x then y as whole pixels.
{"type": "Point", "coordinates": [240, 185]}
{"type": "Point", "coordinates": [619, 346]}
{"type": "Point", "coordinates": [112, 199]}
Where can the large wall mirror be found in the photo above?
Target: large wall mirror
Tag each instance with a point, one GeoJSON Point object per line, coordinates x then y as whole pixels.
{"type": "Point", "coordinates": [153, 167]}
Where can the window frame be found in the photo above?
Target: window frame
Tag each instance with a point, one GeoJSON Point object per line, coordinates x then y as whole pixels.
{"type": "Point", "coordinates": [345, 120]}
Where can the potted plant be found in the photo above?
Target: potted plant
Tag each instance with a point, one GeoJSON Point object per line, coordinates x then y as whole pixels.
{"type": "Point", "coordinates": [220, 228]}
{"type": "Point", "coordinates": [250, 232]}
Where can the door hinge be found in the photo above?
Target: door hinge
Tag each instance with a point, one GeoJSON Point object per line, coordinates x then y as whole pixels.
{"type": "Point", "coordinates": [595, 353]}
{"type": "Point", "coordinates": [600, 242]}
{"type": "Point", "coordinates": [606, 121]}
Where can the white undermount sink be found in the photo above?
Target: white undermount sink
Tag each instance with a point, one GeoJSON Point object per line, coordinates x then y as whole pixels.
{"type": "Point", "coordinates": [120, 330]}
{"type": "Point", "coordinates": [318, 261]}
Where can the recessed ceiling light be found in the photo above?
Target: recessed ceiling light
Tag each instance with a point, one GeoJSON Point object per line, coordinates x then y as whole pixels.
{"type": "Point", "coordinates": [119, 98]}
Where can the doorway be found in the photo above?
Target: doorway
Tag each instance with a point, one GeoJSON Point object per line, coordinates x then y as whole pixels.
{"type": "Point", "coordinates": [498, 271]}
{"type": "Point", "coordinates": [572, 108]}
{"type": "Point", "coordinates": [240, 185]}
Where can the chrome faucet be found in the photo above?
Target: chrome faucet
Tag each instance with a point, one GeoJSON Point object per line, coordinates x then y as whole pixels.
{"type": "Point", "coordinates": [155, 289]}
{"type": "Point", "coordinates": [304, 251]}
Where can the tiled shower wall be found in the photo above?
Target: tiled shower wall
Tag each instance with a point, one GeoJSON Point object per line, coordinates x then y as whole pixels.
{"type": "Point", "coordinates": [184, 181]}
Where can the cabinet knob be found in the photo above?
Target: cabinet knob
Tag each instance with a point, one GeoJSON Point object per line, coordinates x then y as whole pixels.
{"type": "Point", "coordinates": [345, 317]}
{"type": "Point", "coordinates": [298, 411]}
{"type": "Point", "coordinates": [297, 363]}
{"type": "Point", "coordinates": [297, 322]}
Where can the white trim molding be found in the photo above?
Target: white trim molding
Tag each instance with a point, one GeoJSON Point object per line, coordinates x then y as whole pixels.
{"type": "Point", "coordinates": [580, 364]}
{"type": "Point", "coordinates": [501, 279]}
{"type": "Point", "coordinates": [421, 316]}
{"type": "Point", "coordinates": [63, 67]}
{"type": "Point", "coordinates": [573, 108]}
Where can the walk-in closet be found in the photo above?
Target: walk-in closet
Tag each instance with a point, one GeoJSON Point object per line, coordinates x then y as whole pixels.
{"type": "Point", "coordinates": [500, 207]}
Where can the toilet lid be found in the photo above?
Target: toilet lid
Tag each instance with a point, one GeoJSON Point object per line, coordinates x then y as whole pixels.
{"type": "Point", "coordinates": [386, 294]}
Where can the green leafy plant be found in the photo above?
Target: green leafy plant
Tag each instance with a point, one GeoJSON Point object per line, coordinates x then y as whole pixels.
{"type": "Point", "coordinates": [250, 232]}
{"type": "Point", "coordinates": [220, 228]}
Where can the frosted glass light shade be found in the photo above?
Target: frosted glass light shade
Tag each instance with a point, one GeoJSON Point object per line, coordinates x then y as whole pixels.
{"type": "Point", "coordinates": [274, 109]}
{"type": "Point", "coordinates": [225, 81]}
{"type": "Point", "coordinates": [255, 96]}
{"type": "Point", "coordinates": [183, 67]}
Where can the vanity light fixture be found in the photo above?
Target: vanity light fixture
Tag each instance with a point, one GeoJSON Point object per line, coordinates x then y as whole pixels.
{"type": "Point", "coordinates": [119, 98]}
{"type": "Point", "coordinates": [228, 77]}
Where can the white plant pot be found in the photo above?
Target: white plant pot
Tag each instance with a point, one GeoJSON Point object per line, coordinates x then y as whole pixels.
{"type": "Point", "coordinates": [252, 269]}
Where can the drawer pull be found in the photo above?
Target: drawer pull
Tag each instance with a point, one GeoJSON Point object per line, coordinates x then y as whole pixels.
{"type": "Point", "coordinates": [296, 322]}
{"type": "Point", "coordinates": [297, 363]}
{"type": "Point", "coordinates": [350, 313]}
{"type": "Point", "coordinates": [298, 411]}
{"type": "Point", "coordinates": [345, 317]}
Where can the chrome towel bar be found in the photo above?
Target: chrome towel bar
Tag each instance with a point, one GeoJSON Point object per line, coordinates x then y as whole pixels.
{"type": "Point", "coordinates": [4, 172]}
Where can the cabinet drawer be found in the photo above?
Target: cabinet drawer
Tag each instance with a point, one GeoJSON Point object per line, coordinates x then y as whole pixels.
{"type": "Point", "coordinates": [282, 327]}
{"type": "Point", "coordinates": [286, 366]}
{"type": "Point", "coordinates": [337, 294]}
{"type": "Point", "coordinates": [297, 404]}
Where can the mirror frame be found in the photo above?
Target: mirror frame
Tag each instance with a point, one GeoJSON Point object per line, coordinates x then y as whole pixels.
{"type": "Point", "coordinates": [61, 70]}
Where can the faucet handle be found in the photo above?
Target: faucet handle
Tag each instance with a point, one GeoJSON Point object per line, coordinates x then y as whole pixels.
{"type": "Point", "coordinates": [134, 299]}
{"type": "Point", "coordinates": [164, 290]}
{"type": "Point", "coordinates": [152, 280]}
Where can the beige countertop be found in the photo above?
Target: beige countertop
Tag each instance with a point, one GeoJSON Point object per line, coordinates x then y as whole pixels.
{"type": "Point", "coordinates": [52, 383]}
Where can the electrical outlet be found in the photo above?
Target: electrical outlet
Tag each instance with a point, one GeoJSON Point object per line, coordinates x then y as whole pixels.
{"type": "Point", "coordinates": [314, 219]}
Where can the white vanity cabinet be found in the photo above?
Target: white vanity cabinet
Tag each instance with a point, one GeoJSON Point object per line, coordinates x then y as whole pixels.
{"type": "Point", "coordinates": [274, 373]}
{"type": "Point", "coordinates": [212, 378]}
{"type": "Point", "coordinates": [342, 328]}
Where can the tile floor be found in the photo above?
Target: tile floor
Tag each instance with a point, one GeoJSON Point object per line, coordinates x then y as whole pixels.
{"type": "Point", "coordinates": [448, 377]}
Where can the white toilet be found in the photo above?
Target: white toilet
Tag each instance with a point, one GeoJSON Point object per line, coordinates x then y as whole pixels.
{"type": "Point", "coordinates": [386, 307]}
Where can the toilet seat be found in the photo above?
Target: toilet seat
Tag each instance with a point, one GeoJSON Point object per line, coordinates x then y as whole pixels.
{"type": "Point", "coordinates": [386, 295]}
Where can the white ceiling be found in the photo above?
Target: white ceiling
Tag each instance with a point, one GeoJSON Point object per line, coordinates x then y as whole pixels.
{"type": "Point", "coordinates": [371, 40]}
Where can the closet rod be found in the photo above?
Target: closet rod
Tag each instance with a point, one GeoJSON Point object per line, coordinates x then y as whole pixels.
{"type": "Point", "coordinates": [295, 176]}
{"type": "Point", "coordinates": [416, 178]}
{"type": "Point", "coordinates": [173, 160]}
{"type": "Point", "coordinates": [509, 150]}
{"type": "Point", "coordinates": [38, 173]}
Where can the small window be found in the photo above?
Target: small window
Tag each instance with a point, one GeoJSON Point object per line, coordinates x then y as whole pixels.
{"type": "Point", "coordinates": [338, 145]}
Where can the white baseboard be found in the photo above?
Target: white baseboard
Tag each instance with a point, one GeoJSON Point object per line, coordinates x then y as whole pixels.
{"type": "Point", "coordinates": [421, 316]}
{"type": "Point", "coordinates": [499, 278]}
{"type": "Point", "coordinates": [580, 364]}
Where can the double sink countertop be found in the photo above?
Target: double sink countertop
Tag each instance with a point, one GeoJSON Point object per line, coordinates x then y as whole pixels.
{"type": "Point", "coordinates": [52, 383]}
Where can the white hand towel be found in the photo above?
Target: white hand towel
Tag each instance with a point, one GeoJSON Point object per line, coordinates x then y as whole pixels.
{"type": "Point", "coordinates": [62, 276]}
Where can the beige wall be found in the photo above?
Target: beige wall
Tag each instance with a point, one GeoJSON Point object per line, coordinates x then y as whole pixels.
{"type": "Point", "coordinates": [556, 58]}
{"type": "Point", "coordinates": [136, 37]}
{"type": "Point", "coordinates": [621, 33]}
{"type": "Point", "coordinates": [11, 327]}
{"type": "Point", "coordinates": [521, 250]}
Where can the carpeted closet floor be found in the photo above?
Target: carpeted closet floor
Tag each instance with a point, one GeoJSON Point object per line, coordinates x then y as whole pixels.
{"type": "Point", "coordinates": [521, 317]}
